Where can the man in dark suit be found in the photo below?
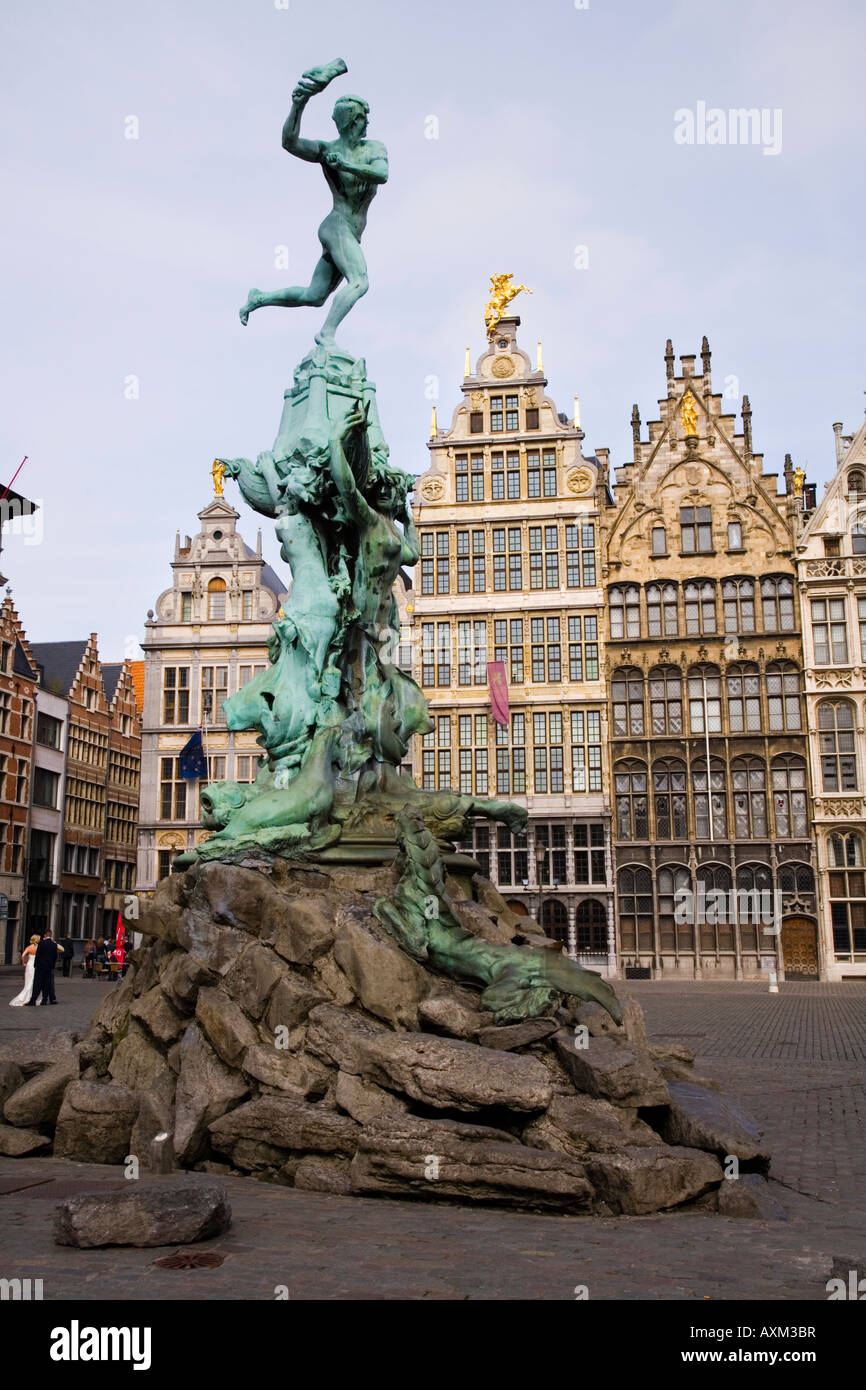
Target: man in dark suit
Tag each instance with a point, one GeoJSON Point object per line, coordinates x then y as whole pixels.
{"type": "Point", "coordinates": [43, 970]}
{"type": "Point", "coordinates": [67, 946]}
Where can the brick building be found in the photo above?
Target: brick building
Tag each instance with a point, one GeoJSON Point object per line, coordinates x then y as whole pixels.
{"type": "Point", "coordinates": [18, 681]}
{"type": "Point", "coordinates": [102, 766]}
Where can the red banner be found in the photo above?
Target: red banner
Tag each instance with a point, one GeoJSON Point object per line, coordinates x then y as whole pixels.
{"type": "Point", "coordinates": [498, 683]}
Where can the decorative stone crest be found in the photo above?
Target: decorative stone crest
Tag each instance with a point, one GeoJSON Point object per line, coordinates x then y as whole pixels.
{"type": "Point", "coordinates": [579, 480]}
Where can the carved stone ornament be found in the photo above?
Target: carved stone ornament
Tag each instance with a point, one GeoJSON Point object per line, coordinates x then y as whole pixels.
{"type": "Point", "coordinates": [433, 489]}
{"type": "Point", "coordinates": [529, 395]}
{"type": "Point", "coordinates": [579, 480]}
{"type": "Point", "coordinates": [502, 367]}
{"type": "Point", "coordinates": [476, 399]}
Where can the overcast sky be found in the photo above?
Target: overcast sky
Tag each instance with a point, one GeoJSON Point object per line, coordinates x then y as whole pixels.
{"type": "Point", "coordinates": [128, 258]}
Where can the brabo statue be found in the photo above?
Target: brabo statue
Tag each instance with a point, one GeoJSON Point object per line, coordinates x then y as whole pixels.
{"type": "Point", "coordinates": [333, 710]}
{"type": "Point", "coordinates": [354, 168]}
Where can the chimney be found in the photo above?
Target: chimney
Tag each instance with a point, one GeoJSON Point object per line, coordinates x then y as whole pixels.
{"type": "Point", "coordinates": [840, 451]}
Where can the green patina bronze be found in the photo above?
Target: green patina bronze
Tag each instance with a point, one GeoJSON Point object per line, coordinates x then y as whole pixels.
{"type": "Point", "coordinates": [333, 711]}
{"type": "Point", "coordinates": [520, 980]}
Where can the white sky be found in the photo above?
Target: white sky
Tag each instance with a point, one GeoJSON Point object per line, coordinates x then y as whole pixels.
{"type": "Point", "coordinates": [131, 257]}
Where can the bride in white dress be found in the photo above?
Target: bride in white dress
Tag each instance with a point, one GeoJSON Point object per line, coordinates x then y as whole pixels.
{"type": "Point", "coordinates": [28, 958]}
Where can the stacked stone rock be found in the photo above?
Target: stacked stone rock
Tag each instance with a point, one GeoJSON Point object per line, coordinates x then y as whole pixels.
{"type": "Point", "coordinates": [275, 1029]}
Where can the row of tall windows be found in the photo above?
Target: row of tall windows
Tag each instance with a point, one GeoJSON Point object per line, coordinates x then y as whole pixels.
{"type": "Point", "coordinates": [531, 649]}
{"type": "Point", "coordinates": [214, 691]}
{"type": "Point", "coordinates": [691, 609]}
{"type": "Point", "coordinates": [666, 702]}
{"type": "Point", "coordinates": [509, 478]}
{"type": "Point", "coordinates": [647, 920]}
{"type": "Point", "coordinates": [503, 413]}
{"type": "Point", "coordinates": [542, 751]}
{"type": "Point", "coordinates": [830, 631]}
{"type": "Point", "coordinates": [216, 603]}
{"type": "Point", "coordinates": [742, 801]}
{"type": "Point", "coordinates": [494, 559]}
{"type": "Point", "coordinates": [696, 533]}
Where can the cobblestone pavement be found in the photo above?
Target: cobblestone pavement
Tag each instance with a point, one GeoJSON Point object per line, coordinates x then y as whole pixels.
{"type": "Point", "coordinates": [809, 1096]}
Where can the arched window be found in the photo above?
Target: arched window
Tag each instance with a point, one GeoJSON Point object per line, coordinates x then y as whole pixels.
{"type": "Point", "coordinates": [555, 920]}
{"type": "Point", "coordinates": [788, 776]}
{"type": "Point", "coordinates": [705, 699]}
{"type": "Point", "coordinates": [754, 904]}
{"type": "Point", "coordinates": [777, 604]}
{"type": "Point", "coordinates": [836, 741]}
{"type": "Point", "coordinates": [712, 799]}
{"type": "Point", "coordinates": [858, 535]}
{"type": "Point", "coordinates": [635, 909]}
{"type": "Point", "coordinates": [700, 604]}
{"type": "Point", "coordinates": [848, 898]}
{"type": "Point", "coordinates": [669, 799]}
{"type": "Point", "coordinates": [738, 596]}
{"type": "Point", "coordinates": [673, 933]}
{"type": "Point", "coordinates": [592, 927]}
{"type": "Point", "coordinates": [716, 908]}
{"type": "Point", "coordinates": [661, 608]}
{"type": "Point", "coordinates": [216, 600]}
{"type": "Point", "coordinates": [666, 700]}
{"type": "Point", "coordinates": [855, 481]}
{"type": "Point", "coordinates": [749, 781]}
{"type": "Point", "coordinates": [624, 605]}
{"type": "Point", "coordinates": [630, 787]}
{"type": "Point", "coordinates": [627, 697]}
{"type": "Point", "coordinates": [797, 886]}
{"type": "Point", "coordinates": [783, 696]}
{"type": "Point", "coordinates": [845, 851]}
{"type": "Point", "coordinates": [744, 698]}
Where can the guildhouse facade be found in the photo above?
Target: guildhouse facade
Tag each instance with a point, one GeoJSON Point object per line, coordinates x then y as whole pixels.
{"type": "Point", "coordinates": [207, 636]}
{"type": "Point", "coordinates": [831, 559]}
{"type": "Point", "coordinates": [714, 864]}
{"type": "Point", "coordinates": [508, 590]}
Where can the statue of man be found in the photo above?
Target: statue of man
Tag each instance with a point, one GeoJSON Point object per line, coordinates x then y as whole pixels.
{"type": "Point", "coordinates": [353, 168]}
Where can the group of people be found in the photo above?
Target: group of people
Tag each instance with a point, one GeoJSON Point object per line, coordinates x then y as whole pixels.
{"type": "Point", "coordinates": [101, 952]}
{"type": "Point", "coordinates": [40, 958]}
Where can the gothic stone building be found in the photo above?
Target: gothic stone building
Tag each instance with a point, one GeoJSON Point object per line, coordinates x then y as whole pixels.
{"type": "Point", "coordinates": [508, 521]}
{"type": "Point", "coordinates": [207, 637]}
{"type": "Point", "coordinates": [831, 559]}
{"type": "Point", "coordinates": [707, 724]}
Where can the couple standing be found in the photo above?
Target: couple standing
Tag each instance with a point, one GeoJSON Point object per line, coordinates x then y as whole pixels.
{"type": "Point", "coordinates": [39, 960]}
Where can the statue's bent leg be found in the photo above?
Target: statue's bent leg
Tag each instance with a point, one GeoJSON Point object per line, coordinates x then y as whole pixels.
{"type": "Point", "coordinates": [345, 252]}
{"type": "Point", "coordinates": [326, 278]}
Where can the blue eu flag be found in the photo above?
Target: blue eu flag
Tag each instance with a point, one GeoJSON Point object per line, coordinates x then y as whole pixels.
{"type": "Point", "coordinates": [192, 762]}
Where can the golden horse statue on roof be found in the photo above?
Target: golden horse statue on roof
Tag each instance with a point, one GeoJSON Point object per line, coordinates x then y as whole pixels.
{"type": "Point", "coordinates": [501, 294]}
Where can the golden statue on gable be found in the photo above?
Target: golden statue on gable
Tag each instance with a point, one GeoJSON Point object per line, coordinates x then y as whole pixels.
{"type": "Point", "coordinates": [689, 415]}
{"type": "Point", "coordinates": [218, 473]}
{"type": "Point", "coordinates": [501, 294]}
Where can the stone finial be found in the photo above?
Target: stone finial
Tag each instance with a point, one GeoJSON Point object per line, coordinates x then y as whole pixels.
{"type": "Point", "coordinates": [669, 360]}
{"type": "Point", "coordinates": [635, 424]}
{"type": "Point", "coordinates": [747, 427]}
{"type": "Point", "coordinates": [788, 472]}
{"type": "Point", "coordinates": [705, 356]}
{"type": "Point", "coordinates": [840, 447]}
